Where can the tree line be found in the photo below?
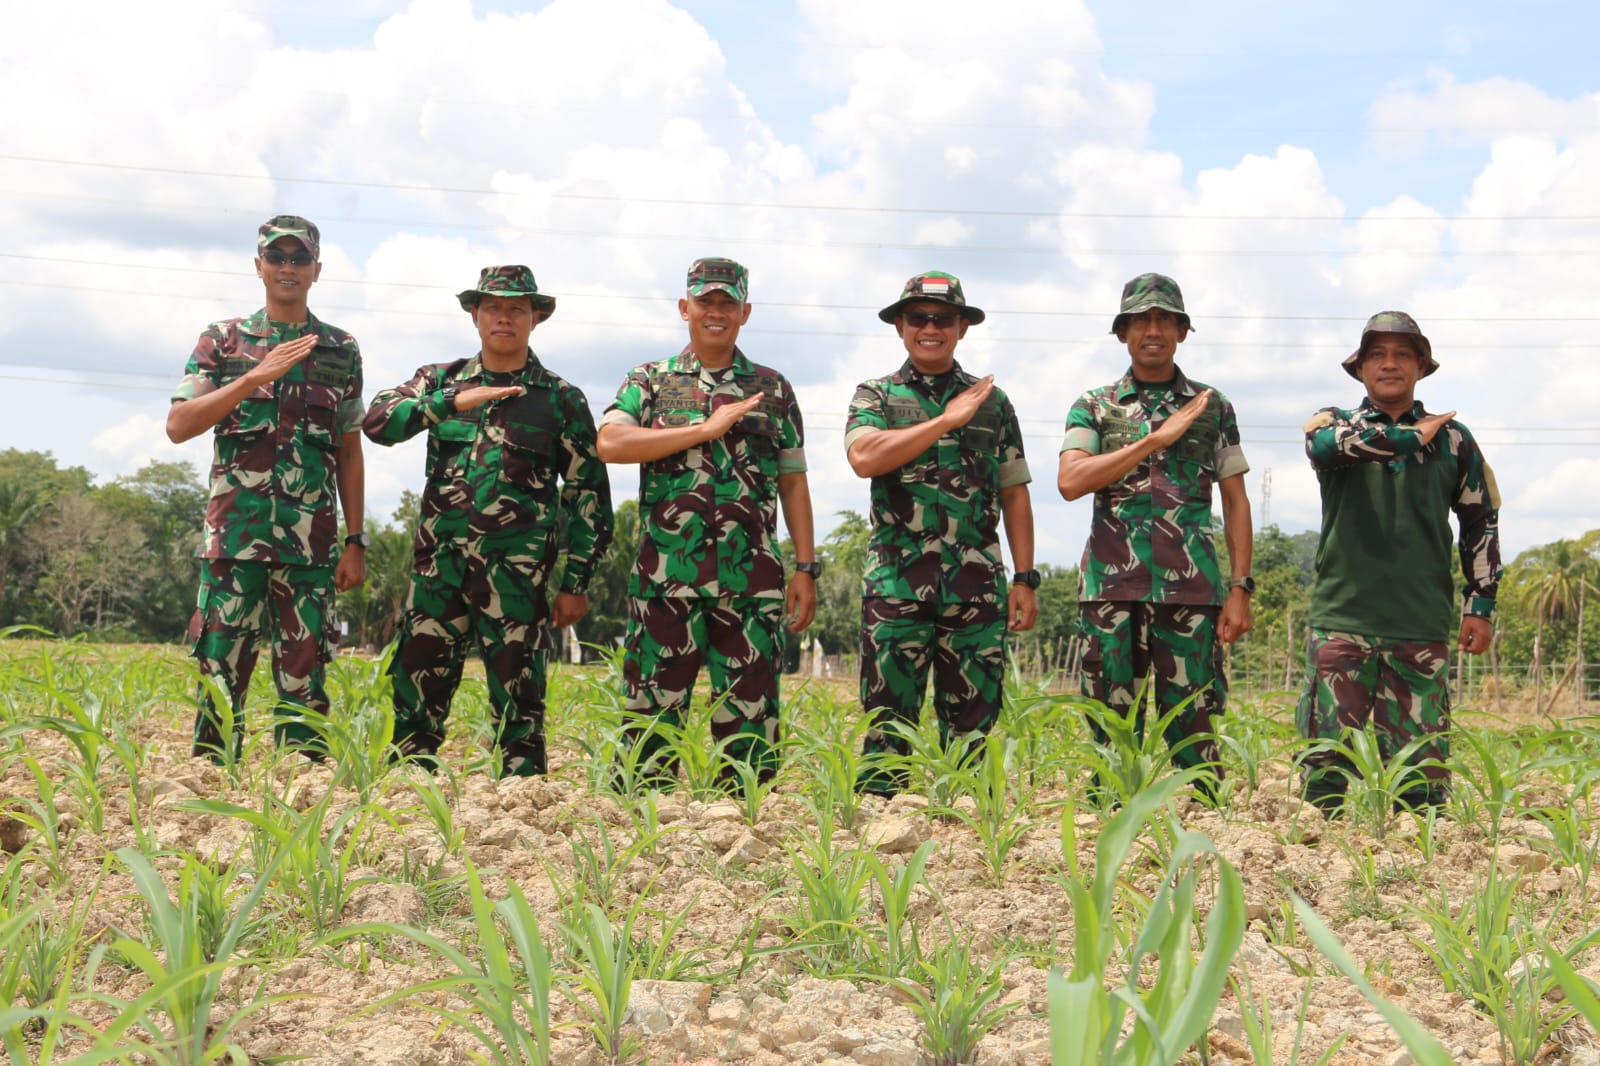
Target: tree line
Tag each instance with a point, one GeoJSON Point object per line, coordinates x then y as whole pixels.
{"type": "Point", "coordinates": [115, 562]}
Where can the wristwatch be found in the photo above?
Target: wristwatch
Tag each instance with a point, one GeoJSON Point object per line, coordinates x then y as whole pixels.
{"type": "Point", "coordinates": [449, 393]}
{"type": "Point", "coordinates": [1247, 583]}
{"type": "Point", "coordinates": [360, 540]}
{"type": "Point", "coordinates": [814, 569]}
{"type": "Point", "coordinates": [1030, 578]}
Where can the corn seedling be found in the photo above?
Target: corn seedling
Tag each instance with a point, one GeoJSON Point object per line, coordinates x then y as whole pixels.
{"type": "Point", "coordinates": [831, 896]}
{"type": "Point", "coordinates": [1131, 755]}
{"type": "Point", "coordinates": [606, 969]}
{"type": "Point", "coordinates": [185, 963]}
{"type": "Point", "coordinates": [1373, 784]}
{"type": "Point", "coordinates": [899, 949]}
{"type": "Point", "coordinates": [1260, 1035]}
{"type": "Point", "coordinates": [506, 984]}
{"type": "Point", "coordinates": [998, 817]}
{"type": "Point", "coordinates": [956, 997]}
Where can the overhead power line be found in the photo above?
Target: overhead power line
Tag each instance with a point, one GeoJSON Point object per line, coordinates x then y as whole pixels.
{"type": "Point", "coordinates": [768, 205]}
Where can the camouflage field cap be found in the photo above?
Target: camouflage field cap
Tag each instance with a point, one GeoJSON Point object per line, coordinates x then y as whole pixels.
{"type": "Point", "coordinates": [507, 281]}
{"type": "Point", "coordinates": [937, 286]}
{"type": "Point", "coordinates": [1147, 291]}
{"type": "Point", "coordinates": [301, 229]}
{"type": "Point", "coordinates": [1390, 322]}
{"type": "Point", "coordinates": [719, 275]}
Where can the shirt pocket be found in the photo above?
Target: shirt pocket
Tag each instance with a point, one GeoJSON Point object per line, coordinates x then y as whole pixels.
{"type": "Point", "coordinates": [452, 441]}
{"type": "Point", "coordinates": [527, 455]}
{"type": "Point", "coordinates": [322, 415]}
{"type": "Point", "coordinates": [689, 458]}
{"type": "Point", "coordinates": [256, 413]}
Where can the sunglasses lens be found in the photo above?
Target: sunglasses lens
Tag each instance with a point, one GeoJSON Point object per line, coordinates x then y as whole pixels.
{"type": "Point", "coordinates": [916, 320]}
{"type": "Point", "coordinates": [277, 258]}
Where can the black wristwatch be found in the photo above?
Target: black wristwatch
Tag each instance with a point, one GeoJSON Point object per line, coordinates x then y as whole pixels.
{"type": "Point", "coordinates": [449, 393]}
{"type": "Point", "coordinates": [814, 569]}
{"type": "Point", "coordinates": [360, 540]}
{"type": "Point", "coordinates": [1030, 578]}
{"type": "Point", "coordinates": [1247, 583]}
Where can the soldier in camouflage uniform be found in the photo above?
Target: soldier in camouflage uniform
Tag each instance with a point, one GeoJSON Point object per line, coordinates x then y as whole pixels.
{"type": "Point", "coordinates": [501, 430]}
{"type": "Point", "coordinates": [944, 451]}
{"type": "Point", "coordinates": [720, 446]}
{"type": "Point", "coordinates": [282, 390]}
{"type": "Point", "coordinates": [1151, 596]}
{"type": "Point", "coordinates": [1382, 605]}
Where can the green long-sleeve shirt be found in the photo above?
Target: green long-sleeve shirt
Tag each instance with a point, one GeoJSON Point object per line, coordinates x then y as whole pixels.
{"type": "Point", "coordinates": [1383, 564]}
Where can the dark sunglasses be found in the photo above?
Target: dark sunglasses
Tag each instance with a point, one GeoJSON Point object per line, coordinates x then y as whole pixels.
{"type": "Point", "coordinates": [942, 320]}
{"type": "Point", "coordinates": [277, 258]}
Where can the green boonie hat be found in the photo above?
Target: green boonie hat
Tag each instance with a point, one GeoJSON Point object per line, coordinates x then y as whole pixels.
{"type": "Point", "coordinates": [1147, 291]}
{"type": "Point", "coordinates": [719, 275]}
{"type": "Point", "coordinates": [1390, 322]}
{"type": "Point", "coordinates": [507, 281]}
{"type": "Point", "coordinates": [301, 229]}
{"type": "Point", "coordinates": [939, 287]}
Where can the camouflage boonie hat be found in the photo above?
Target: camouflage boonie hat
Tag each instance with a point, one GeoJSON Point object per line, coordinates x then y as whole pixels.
{"type": "Point", "coordinates": [507, 281]}
{"type": "Point", "coordinates": [1147, 291]}
{"type": "Point", "coordinates": [719, 275]}
{"type": "Point", "coordinates": [1390, 322]}
{"type": "Point", "coordinates": [301, 229]}
{"type": "Point", "coordinates": [937, 286]}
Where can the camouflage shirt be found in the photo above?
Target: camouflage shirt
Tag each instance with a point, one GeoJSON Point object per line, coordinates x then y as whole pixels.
{"type": "Point", "coordinates": [273, 488]}
{"type": "Point", "coordinates": [935, 521]}
{"type": "Point", "coordinates": [1150, 540]}
{"type": "Point", "coordinates": [1383, 560]}
{"type": "Point", "coordinates": [708, 515]}
{"type": "Point", "coordinates": [492, 471]}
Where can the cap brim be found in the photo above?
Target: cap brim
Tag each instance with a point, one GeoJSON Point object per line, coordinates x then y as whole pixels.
{"type": "Point", "coordinates": [1117, 323]}
{"type": "Point", "coordinates": [468, 298]}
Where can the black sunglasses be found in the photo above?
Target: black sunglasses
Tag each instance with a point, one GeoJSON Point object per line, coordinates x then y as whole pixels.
{"type": "Point", "coordinates": [942, 320]}
{"type": "Point", "coordinates": [277, 258]}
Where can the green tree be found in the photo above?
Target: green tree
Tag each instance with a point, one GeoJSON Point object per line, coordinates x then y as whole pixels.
{"type": "Point", "coordinates": [607, 619]}
{"type": "Point", "coordinates": [20, 506]}
{"type": "Point", "coordinates": [844, 561]}
{"type": "Point", "coordinates": [1549, 585]}
{"type": "Point", "coordinates": [166, 502]}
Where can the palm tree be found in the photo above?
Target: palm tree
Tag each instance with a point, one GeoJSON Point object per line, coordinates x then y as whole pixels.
{"type": "Point", "coordinates": [1553, 587]}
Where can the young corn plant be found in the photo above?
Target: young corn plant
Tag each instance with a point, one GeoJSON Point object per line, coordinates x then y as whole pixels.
{"type": "Point", "coordinates": [1133, 755]}
{"type": "Point", "coordinates": [1490, 953]}
{"type": "Point", "coordinates": [999, 816]}
{"type": "Point", "coordinates": [505, 984]}
{"type": "Point", "coordinates": [1374, 784]}
{"type": "Point", "coordinates": [1260, 1035]}
{"type": "Point", "coordinates": [606, 970]}
{"type": "Point", "coordinates": [831, 898]}
{"type": "Point", "coordinates": [1170, 990]}
{"type": "Point", "coordinates": [897, 951]}
{"type": "Point", "coordinates": [185, 963]}
{"type": "Point", "coordinates": [956, 997]}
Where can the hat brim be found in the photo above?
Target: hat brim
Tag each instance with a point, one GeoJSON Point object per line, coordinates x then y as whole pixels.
{"type": "Point", "coordinates": [1118, 323]}
{"type": "Point", "coordinates": [1352, 364]}
{"type": "Point", "coordinates": [469, 298]}
{"type": "Point", "coordinates": [973, 315]}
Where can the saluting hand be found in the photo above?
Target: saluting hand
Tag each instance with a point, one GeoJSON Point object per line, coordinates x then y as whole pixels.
{"type": "Point", "coordinates": [1428, 428]}
{"type": "Point", "coordinates": [1178, 424]}
{"type": "Point", "coordinates": [479, 395]}
{"type": "Point", "coordinates": [960, 410]}
{"type": "Point", "coordinates": [281, 358]}
{"type": "Point", "coordinates": [727, 416]}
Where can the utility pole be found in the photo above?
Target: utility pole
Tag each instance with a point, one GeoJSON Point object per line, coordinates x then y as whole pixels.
{"type": "Point", "coordinates": [1266, 497]}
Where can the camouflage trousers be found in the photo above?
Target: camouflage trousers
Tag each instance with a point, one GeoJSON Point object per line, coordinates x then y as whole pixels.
{"type": "Point", "coordinates": [740, 638]}
{"type": "Point", "coordinates": [1126, 642]}
{"type": "Point", "coordinates": [1401, 688]}
{"type": "Point", "coordinates": [963, 644]}
{"type": "Point", "coordinates": [237, 603]}
{"type": "Point", "coordinates": [502, 613]}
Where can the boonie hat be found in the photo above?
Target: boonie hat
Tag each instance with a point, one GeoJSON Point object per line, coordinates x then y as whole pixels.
{"type": "Point", "coordinates": [1147, 291]}
{"type": "Point", "coordinates": [1390, 322]}
{"type": "Point", "coordinates": [937, 286]}
{"type": "Point", "coordinates": [507, 281]}
{"type": "Point", "coordinates": [719, 275]}
{"type": "Point", "coordinates": [301, 229]}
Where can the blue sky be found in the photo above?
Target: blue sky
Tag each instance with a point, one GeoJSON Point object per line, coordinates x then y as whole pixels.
{"type": "Point", "coordinates": [1293, 167]}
